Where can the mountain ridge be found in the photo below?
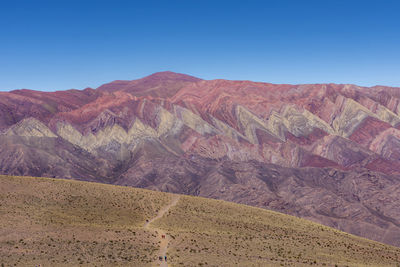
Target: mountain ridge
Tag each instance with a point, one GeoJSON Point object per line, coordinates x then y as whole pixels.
{"type": "Point", "coordinates": [254, 143]}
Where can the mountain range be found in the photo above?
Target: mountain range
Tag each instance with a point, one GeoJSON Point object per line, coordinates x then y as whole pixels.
{"type": "Point", "coordinates": [329, 153]}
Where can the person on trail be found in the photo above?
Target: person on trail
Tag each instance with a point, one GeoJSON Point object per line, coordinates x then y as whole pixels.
{"type": "Point", "coordinates": [160, 258]}
{"type": "Point", "coordinates": [165, 257]}
{"type": "Point", "coordinates": [163, 236]}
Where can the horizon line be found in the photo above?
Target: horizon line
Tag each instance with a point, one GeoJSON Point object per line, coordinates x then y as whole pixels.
{"type": "Point", "coordinates": [201, 79]}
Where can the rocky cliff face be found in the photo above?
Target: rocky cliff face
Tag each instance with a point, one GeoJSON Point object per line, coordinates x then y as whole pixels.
{"type": "Point", "coordinates": [325, 152]}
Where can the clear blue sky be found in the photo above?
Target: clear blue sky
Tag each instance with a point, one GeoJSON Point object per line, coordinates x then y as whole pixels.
{"type": "Point", "coordinates": [54, 45]}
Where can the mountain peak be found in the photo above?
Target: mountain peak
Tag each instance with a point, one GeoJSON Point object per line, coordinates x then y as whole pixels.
{"type": "Point", "coordinates": [164, 84]}
{"type": "Point", "coordinates": [170, 75]}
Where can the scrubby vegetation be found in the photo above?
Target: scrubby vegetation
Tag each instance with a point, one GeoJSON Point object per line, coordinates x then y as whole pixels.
{"type": "Point", "coordinates": [69, 223]}
{"type": "Point", "coordinates": [216, 233]}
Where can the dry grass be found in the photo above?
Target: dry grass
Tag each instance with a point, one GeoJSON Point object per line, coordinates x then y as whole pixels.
{"type": "Point", "coordinates": [217, 233]}
{"type": "Point", "coordinates": [68, 223]}
{"type": "Point", "coordinates": [58, 222]}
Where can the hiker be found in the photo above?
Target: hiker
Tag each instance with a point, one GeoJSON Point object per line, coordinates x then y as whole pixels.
{"type": "Point", "coordinates": [160, 258]}
{"type": "Point", "coordinates": [147, 220]}
{"type": "Point", "coordinates": [163, 236]}
{"type": "Point", "coordinates": [165, 257]}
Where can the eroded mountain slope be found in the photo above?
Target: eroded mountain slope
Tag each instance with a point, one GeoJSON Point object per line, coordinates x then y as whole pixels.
{"type": "Point", "coordinates": [326, 152]}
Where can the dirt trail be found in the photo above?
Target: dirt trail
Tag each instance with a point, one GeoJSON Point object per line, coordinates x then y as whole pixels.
{"type": "Point", "coordinates": [160, 232]}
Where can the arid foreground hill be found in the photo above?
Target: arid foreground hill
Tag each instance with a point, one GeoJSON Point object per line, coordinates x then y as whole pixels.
{"type": "Point", "coordinates": [325, 152]}
{"type": "Point", "coordinates": [56, 222]}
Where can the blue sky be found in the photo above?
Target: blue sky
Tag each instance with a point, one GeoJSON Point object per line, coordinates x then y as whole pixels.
{"type": "Point", "coordinates": [55, 45]}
